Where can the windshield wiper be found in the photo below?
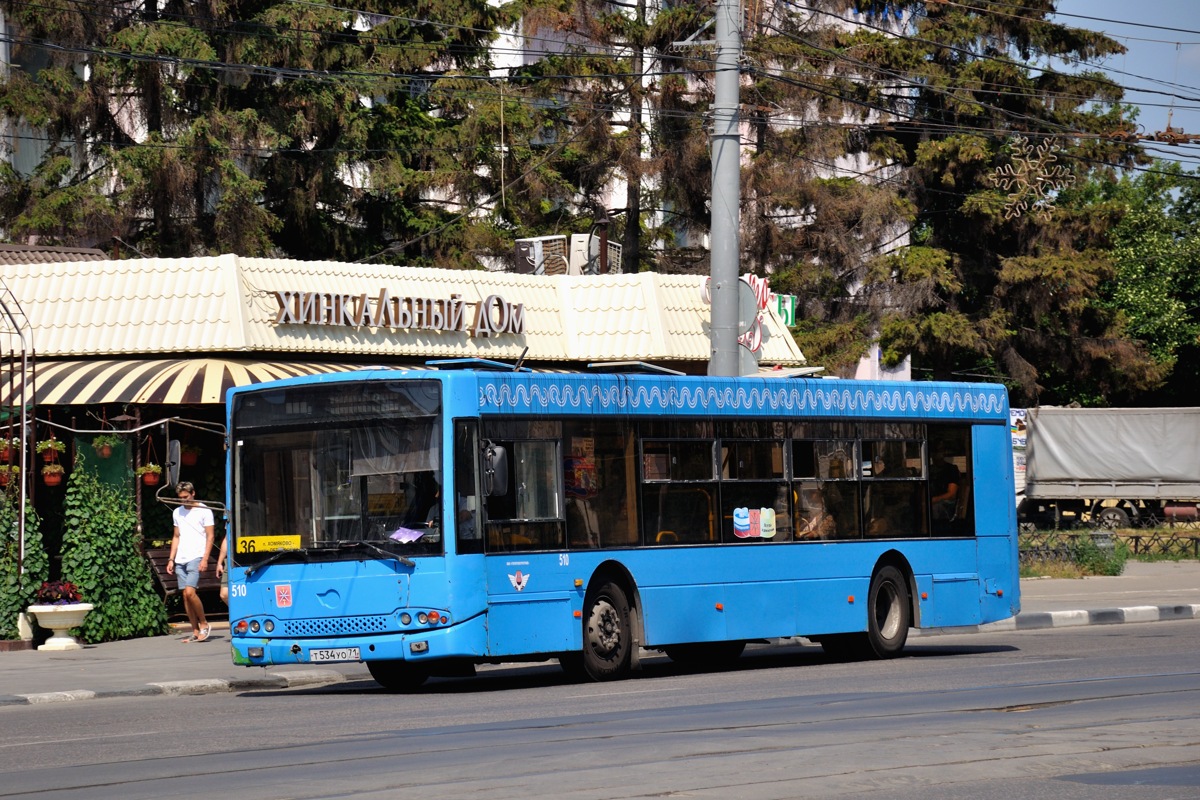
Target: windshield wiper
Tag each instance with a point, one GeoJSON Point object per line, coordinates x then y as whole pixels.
{"type": "Point", "coordinates": [272, 559]}
{"type": "Point", "coordinates": [337, 546]}
{"type": "Point", "coordinates": [350, 545]}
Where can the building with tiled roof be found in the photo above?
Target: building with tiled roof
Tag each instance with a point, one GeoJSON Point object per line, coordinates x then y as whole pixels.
{"type": "Point", "coordinates": [184, 330]}
{"type": "Point", "coordinates": [42, 254]}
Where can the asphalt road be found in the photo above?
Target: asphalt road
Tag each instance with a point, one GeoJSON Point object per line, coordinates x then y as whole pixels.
{"type": "Point", "coordinates": [1101, 712]}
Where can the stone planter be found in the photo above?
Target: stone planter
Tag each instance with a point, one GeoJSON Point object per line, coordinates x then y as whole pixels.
{"type": "Point", "coordinates": [60, 619]}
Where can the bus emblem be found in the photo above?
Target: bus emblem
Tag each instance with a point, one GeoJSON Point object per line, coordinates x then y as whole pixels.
{"type": "Point", "coordinates": [283, 596]}
{"type": "Point", "coordinates": [519, 580]}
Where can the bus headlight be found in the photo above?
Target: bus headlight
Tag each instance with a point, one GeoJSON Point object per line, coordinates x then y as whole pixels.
{"type": "Point", "coordinates": [405, 618]}
{"type": "Point", "coordinates": [269, 626]}
{"type": "Point", "coordinates": [254, 626]}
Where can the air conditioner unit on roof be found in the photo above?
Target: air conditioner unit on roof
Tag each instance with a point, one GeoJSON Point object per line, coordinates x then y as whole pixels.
{"type": "Point", "coordinates": [541, 255]}
{"type": "Point", "coordinates": [585, 255]}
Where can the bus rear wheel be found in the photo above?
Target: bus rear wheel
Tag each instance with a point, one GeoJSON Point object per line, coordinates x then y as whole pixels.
{"type": "Point", "coordinates": [888, 619]}
{"type": "Point", "coordinates": [397, 676]}
{"type": "Point", "coordinates": [888, 613]}
{"type": "Point", "coordinates": [607, 634]}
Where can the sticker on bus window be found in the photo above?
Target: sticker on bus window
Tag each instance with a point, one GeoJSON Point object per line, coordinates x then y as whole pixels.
{"type": "Point", "coordinates": [266, 544]}
{"type": "Point", "coordinates": [283, 596]}
{"type": "Point", "coordinates": [754, 523]}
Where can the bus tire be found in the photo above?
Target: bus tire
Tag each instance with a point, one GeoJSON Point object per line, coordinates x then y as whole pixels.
{"type": "Point", "coordinates": [888, 613]}
{"type": "Point", "coordinates": [607, 634]}
{"type": "Point", "coordinates": [708, 654]}
{"type": "Point", "coordinates": [398, 676]}
{"type": "Point", "coordinates": [888, 618]}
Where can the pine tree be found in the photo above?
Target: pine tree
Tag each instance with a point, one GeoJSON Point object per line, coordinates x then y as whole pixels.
{"type": "Point", "coordinates": [926, 109]}
{"type": "Point", "coordinates": [258, 127]}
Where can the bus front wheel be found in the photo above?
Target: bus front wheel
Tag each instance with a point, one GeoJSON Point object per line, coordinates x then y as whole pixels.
{"type": "Point", "coordinates": [397, 676]}
{"type": "Point", "coordinates": [607, 634]}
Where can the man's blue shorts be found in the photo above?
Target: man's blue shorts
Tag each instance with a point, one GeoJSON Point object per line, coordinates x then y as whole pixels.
{"type": "Point", "coordinates": [188, 574]}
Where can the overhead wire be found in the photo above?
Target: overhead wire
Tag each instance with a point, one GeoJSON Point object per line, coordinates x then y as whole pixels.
{"type": "Point", "coordinates": [301, 74]}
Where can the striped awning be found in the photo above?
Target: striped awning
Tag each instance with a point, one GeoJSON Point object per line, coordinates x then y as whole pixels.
{"type": "Point", "coordinates": [177, 381]}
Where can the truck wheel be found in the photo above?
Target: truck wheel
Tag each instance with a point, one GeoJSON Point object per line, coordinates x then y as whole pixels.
{"type": "Point", "coordinates": [1113, 518]}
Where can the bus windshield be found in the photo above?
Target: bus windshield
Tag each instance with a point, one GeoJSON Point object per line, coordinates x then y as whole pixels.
{"type": "Point", "coordinates": [317, 467]}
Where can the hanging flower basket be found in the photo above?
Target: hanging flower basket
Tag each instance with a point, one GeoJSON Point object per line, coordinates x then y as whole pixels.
{"type": "Point", "coordinates": [8, 473]}
{"type": "Point", "coordinates": [189, 455]}
{"type": "Point", "coordinates": [52, 474]}
{"type": "Point", "coordinates": [150, 474]}
{"type": "Point", "coordinates": [104, 444]}
{"type": "Point", "coordinates": [50, 448]}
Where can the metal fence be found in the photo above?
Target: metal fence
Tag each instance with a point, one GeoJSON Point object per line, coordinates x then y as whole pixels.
{"type": "Point", "coordinates": [1062, 547]}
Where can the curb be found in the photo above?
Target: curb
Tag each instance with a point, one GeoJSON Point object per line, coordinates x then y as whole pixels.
{"type": "Point", "coordinates": [272, 680]}
{"type": "Point", "coordinates": [1040, 620]}
{"type": "Point", "coordinates": [1102, 616]}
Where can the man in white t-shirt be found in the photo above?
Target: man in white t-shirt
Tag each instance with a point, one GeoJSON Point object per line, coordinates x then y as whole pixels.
{"type": "Point", "coordinates": [191, 542]}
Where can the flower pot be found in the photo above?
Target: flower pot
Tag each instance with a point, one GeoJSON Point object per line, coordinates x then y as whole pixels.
{"type": "Point", "coordinates": [60, 619]}
{"type": "Point", "coordinates": [104, 451]}
{"type": "Point", "coordinates": [4, 476]}
{"type": "Point", "coordinates": [5, 453]}
{"type": "Point", "coordinates": [188, 459]}
{"type": "Point", "coordinates": [150, 478]}
{"type": "Point", "coordinates": [52, 478]}
{"type": "Point", "coordinates": [49, 455]}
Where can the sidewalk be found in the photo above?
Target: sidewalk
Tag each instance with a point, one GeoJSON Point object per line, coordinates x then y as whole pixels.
{"type": "Point", "coordinates": [164, 665]}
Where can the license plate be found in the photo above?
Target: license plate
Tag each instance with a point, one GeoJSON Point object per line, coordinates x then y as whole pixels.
{"type": "Point", "coordinates": [335, 654]}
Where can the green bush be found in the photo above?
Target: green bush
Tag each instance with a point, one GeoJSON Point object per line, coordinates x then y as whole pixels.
{"type": "Point", "coordinates": [100, 554]}
{"type": "Point", "coordinates": [17, 591]}
{"type": "Point", "coordinates": [1099, 553]}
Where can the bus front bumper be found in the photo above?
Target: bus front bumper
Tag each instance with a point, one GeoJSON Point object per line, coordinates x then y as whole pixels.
{"type": "Point", "coordinates": [462, 640]}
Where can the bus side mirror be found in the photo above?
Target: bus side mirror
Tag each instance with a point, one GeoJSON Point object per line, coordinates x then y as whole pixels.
{"type": "Point", "coordinates": [495, 470]}
{"type": "Point", "coordinates": [173, 458]}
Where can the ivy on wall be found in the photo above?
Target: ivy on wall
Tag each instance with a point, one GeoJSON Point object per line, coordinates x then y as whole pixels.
{"type": "Point", "coordinates": [17, 590]}
{"type": "Point", "coordinates": [100, 554]}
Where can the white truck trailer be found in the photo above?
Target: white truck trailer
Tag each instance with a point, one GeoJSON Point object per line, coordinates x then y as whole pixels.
{"type": "Point", "coordinates": [1114, 467]}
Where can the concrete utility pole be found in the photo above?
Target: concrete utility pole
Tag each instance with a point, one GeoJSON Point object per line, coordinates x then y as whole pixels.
{"type": "Point", "coordinates": [726, 192]}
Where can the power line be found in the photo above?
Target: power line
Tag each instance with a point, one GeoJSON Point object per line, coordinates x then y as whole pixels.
{"type": "Point", "coordinates": [985, 57]}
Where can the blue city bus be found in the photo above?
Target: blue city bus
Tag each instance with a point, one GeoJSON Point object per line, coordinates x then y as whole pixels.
{"type": "Point", "coordinates": [426, 521]}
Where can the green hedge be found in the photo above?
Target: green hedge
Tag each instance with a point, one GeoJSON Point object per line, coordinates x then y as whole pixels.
{"type": "Point", "coordinates": [100, 555]}
{"type": "Point", "coordinates": [17, 590]}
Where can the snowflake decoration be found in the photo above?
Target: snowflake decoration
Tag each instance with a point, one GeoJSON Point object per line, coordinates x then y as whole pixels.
{"type": "Point", "coordinates": [1030, 178]}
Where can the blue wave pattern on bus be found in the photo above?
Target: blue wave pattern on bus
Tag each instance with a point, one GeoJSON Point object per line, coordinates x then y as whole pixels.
{"type": "Point", "coordinates": [565, 395]}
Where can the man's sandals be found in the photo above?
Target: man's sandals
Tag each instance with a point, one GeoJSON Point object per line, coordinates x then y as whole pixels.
{"type": "Point", "coordinates": [197, 637]}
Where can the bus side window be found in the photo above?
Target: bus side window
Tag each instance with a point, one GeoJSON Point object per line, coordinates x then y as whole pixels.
{"type": "Point", "coordinates": [825, 488]}
{"type": "Point", "coordinates": [597, 465]}
{"type": "Point", "coordinates": [529, 515]}
{"type": "Point", "coordinates": [950, 487]}
{"type": "Point", "coordinates": [755, 501]}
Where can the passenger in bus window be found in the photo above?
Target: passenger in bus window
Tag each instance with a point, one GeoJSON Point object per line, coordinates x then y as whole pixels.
{"type": "Point", "coordinates": [889, 501]}
{"type": "Point", "coordinates": [425, 492]}
{"type": "Point", "coordinates": [816, 519]}
{"type": "Point", "coordinates": [944, 482]}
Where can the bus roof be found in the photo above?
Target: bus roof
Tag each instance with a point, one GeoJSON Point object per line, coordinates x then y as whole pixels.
{"type": "Point", "coordinates": [693, 395]}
